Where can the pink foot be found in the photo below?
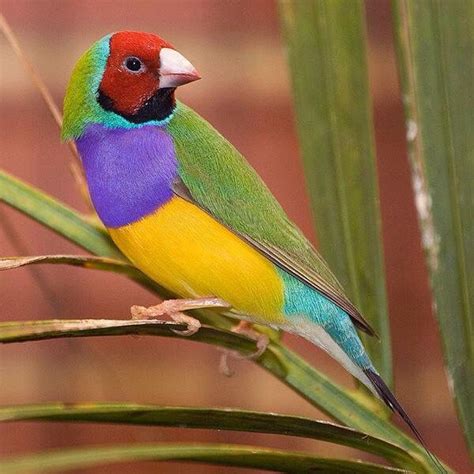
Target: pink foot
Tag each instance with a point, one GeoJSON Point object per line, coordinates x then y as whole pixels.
{"type": "Point", "coordinates": [174, 309]}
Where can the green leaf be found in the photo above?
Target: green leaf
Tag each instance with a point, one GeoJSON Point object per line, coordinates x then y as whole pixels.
{"type": "Point", "coordinates": [218, 454]}
{"type": "Point", "coordinates": [277, 359]}
{"type": "Point", "coordinates": [327, 58]}
{"type": "Point", "coordinates": [57, 216]}
{"type": "Point", "coordinates": [86, 261]}
{"type": "Point", "coordinates": [436, 61]}
{"type": "Point", "coordinates": [210, 418]}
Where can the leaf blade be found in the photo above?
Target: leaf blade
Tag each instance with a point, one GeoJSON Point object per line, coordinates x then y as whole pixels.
{"type": "Point", "coordinates": [435, 58]}
{"type": "Point", "coordinates": [227, 455]}
{"type": "Point", "coordinates": [277, 359]}
{"type": "Point", "coordinates": [210, 418]}
{"type": "Point", "coordinates": [56, 216]}
{"type": "Point", "coordinates": [86, 261]}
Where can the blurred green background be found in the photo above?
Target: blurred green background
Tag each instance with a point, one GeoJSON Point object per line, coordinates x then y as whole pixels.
{"type": "Point", "coordinates": [245, 93]}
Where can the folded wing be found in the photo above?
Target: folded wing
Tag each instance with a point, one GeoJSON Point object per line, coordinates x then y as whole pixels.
{"type": "Point", "coordinates": [214, 176]}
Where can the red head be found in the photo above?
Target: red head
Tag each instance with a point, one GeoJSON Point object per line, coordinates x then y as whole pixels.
{"type": "Point", "coordinates": [141, 71]}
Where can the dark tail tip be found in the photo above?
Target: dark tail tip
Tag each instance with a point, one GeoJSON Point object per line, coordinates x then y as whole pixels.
{"type": "Point", "coordinates": [389, 399]}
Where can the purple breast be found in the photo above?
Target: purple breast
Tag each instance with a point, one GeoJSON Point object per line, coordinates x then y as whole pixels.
{"type": "Point", "coordinates": [130, 172]}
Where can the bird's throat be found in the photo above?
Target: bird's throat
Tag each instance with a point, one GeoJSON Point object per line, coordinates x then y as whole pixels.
{"type": "Point", "coordinates": [158, 107]}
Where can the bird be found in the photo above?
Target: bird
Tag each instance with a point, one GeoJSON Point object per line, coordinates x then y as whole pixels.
{"type": "Point", "coordinates": [189, 211]}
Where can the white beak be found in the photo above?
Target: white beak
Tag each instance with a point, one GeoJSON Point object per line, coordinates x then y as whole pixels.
{"type": "Point", "coordinates": [175, 69]}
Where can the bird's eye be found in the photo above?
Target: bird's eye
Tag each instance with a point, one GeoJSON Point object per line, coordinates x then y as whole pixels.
{"type": "Point", "coordinates": [133, 64]}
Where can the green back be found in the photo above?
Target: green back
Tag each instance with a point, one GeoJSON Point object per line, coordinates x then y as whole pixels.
{"type": "Point", "coordinates": [221, 181]}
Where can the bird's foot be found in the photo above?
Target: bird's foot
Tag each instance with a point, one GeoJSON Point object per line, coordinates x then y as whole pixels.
{"type": "Point", "coordinates": [261, 341]}
{"type": "Point", "coordinates": [174, 309]}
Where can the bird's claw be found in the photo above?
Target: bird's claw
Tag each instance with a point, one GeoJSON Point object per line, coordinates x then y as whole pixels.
{"type": "Point", "coordinates": [261, 341]}
{"type": "Point", "coordinates": [165, 308]}
{"type": "Point", "coordinates": [193, 324]}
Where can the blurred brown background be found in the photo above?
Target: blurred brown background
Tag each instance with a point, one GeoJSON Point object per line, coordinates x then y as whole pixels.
{"type": "Point", "coordinates": [245, 92]}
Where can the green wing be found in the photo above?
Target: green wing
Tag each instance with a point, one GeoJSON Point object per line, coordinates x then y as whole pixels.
{"type": "Point", "coordinates": [216, 177]}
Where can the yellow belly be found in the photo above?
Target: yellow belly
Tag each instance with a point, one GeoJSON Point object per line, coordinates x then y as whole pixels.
{"type": "Point", "coordinates": [188, 252]}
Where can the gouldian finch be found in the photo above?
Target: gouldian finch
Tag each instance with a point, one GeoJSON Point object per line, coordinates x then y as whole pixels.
{"type": "Point", "coordinates": [189, 211]}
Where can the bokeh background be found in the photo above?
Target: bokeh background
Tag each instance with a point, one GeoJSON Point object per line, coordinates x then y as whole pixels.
{"type": "Point", "coordinates": [245, 93]}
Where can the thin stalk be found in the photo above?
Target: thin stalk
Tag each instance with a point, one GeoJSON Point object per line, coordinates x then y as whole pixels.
{"type": "Point", "coordinates": [75, 163]}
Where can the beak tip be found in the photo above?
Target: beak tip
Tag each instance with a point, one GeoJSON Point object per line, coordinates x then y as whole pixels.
{"type": "Point", "coordinates": [175, 69]}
